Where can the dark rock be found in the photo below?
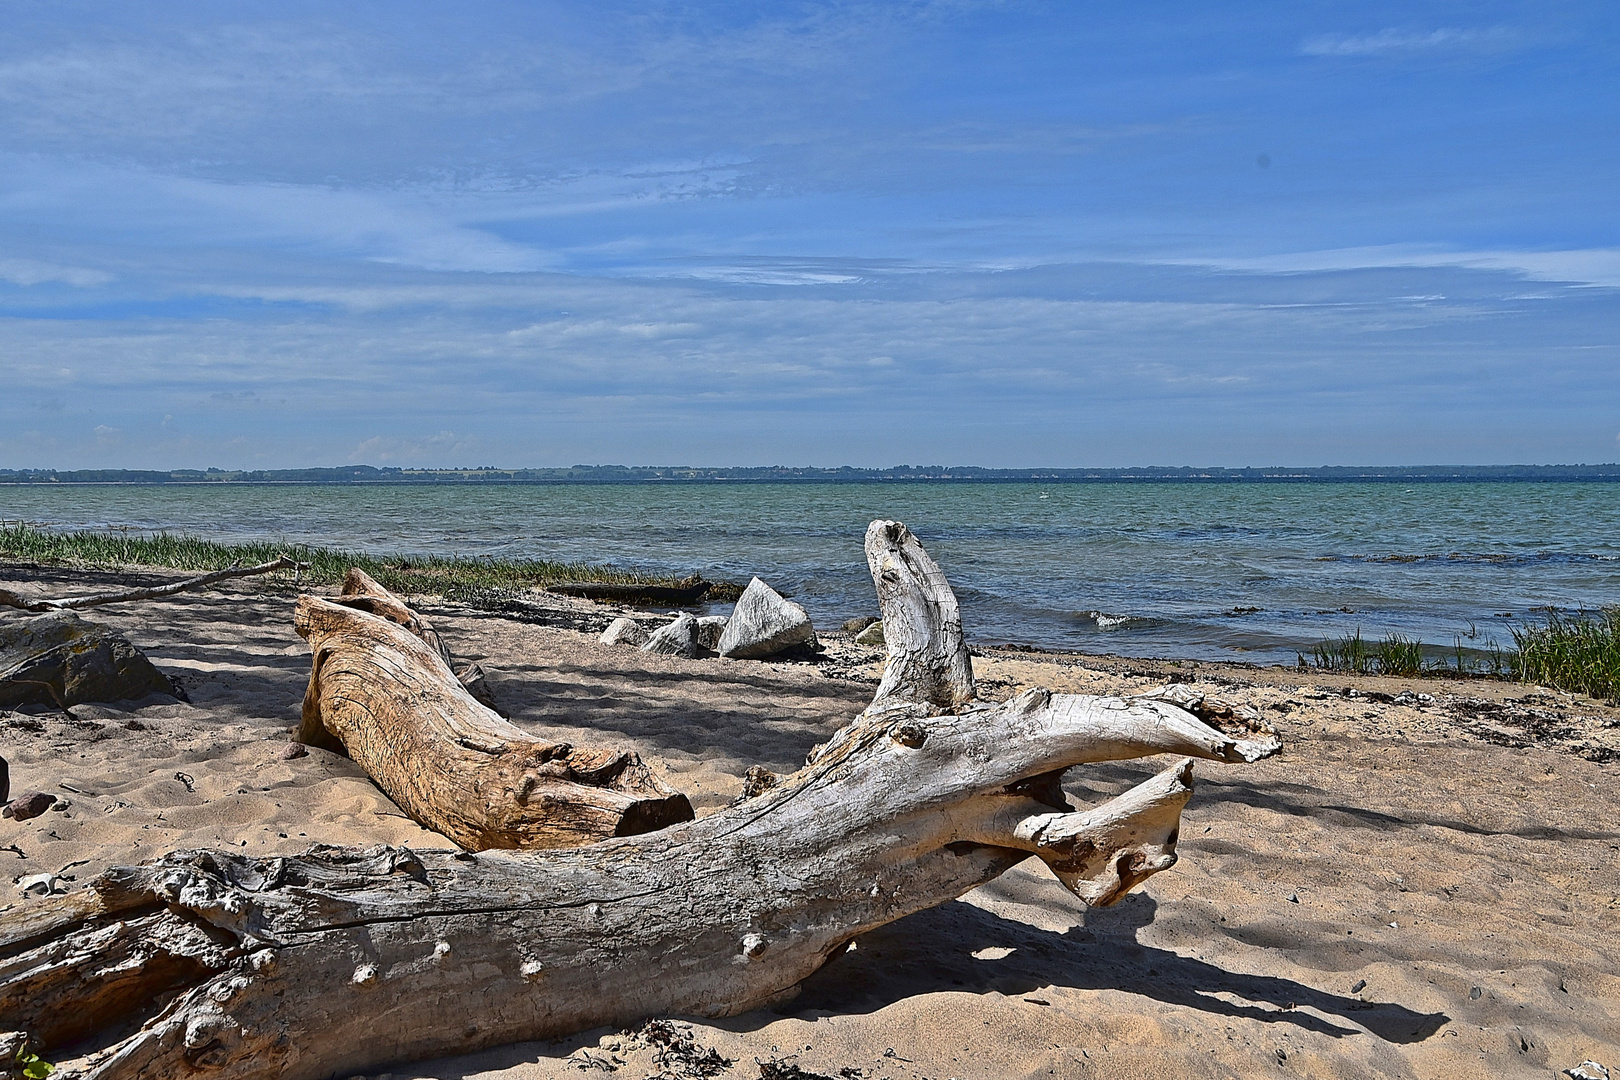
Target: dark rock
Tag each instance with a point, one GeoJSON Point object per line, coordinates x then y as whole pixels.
{"type": "Point", "coordinates": [5, 781]}
{"type": "Point", "coordinates": [872, 635]}
{"type": "Point", "coordinates": [710, 628]}
{"type": "Point", "coordinates": [60, 659]}
{"type": "Point", "coordinates": [856, 625]}
{"type": "Point", "coordinates": [28, 806]}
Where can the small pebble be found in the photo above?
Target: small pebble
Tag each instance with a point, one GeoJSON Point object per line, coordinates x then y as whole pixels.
{"type": "Point", "coordinates": [1361, 984]}
{"type": "Point", "coordinates": [293, 751]}
{"type": "Point", "coordinates": [1293, 898]}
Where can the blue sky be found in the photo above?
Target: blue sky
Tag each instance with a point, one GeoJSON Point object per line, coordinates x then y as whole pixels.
{"type": "Point", "coordinates": [701, 233]}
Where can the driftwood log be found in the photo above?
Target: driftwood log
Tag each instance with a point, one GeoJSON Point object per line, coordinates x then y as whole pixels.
{"type": "Point", "coordinates": [79, 603]}
{"type": "Point", "coordinates": [335, 961]}
{"type": "Point", "coordinates": [383, 690]}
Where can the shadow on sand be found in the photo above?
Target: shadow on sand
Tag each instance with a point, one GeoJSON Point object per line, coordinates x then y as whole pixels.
{"type": "Point", "coordinates": [933, 951]}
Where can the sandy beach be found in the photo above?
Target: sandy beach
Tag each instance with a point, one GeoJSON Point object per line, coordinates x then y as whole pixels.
{"type": "Point", "coordinates": [1426, 883]}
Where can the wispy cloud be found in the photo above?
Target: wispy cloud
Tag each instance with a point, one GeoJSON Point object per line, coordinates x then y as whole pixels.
{"type": "Point", "coordinates": [1581, 266]}
{"type": "Point", "coordinates": [37, 272]}
{"type": "Point", "coordinates": [1392, 41]}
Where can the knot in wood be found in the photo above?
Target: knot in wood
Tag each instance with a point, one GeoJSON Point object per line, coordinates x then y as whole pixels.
{"type": "Point", "coordinates": [909, 733]}
{"type": "Point", "coordinates": [753, 946]}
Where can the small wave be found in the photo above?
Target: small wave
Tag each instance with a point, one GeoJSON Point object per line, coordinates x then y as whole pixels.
{"type": "Point", "coordinates": [1104, 620]}
{"type": "Point", "coordinates": [1478, 558]}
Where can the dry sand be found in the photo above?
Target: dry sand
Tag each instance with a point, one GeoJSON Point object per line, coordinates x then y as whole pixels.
{"type": "Point", "coordinates": [1415, 888]}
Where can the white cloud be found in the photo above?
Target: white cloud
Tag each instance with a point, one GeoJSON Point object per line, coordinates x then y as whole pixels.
{"type": "Point", "coordinates": [35, 272]}
{"type": "Point", "coordinates": [1583, 266]}
{"type": "Point", "coordinates": [1392, 41]}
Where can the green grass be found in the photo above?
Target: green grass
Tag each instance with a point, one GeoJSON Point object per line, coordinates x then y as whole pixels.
{"type": "Point", "coordinates": [1580, 654]}
{"type": "Point", "coordinates": [1403, 656]}
{"type": "Point", "coordinates": [1349, 653]}
{"type": "Point", "coordinates": [448, 575]}
{"type": "Point", "coordinates": [1400, 655]}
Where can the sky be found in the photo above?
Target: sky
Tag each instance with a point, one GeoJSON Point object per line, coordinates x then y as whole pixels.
{"type": "Point", "coordinates": [1003, 234]}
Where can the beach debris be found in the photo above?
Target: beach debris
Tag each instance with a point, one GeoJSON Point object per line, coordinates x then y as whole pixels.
{"type": "Point", "coordinates": [871, 635]}
{"type": "Point", "coordinates": [763, 624]}
{"type": "Point", "coordinates": [381, 691]}
{"type": "Point", "coordinates": [30, 805]}
{"type": "Point", "coordinates": [689, 590]}
{"type": "Point", "coordinates": [471, 675]}
{"type": "Point", "coordinates": [710, 628]}
{"type": "Point", "coordinates": [1587, 1070]}
{"type": "Point", "coordinates": [60, 659]}
{"type": "Point", "coordinates": [926, 795]}
{"type": "Point", "coordinates": [41, 885]}
{"type": "Point", "coordinates": [625, 631]}
{"type": "Point", "coordinates": [757, 781]}
{"type": "Point", "coordinates": [678, 638]}
{"type": "Point", "coordinates": [75, 603]}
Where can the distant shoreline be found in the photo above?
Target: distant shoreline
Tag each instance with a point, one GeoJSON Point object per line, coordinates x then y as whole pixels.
{"type": "Point", "coordinates": [366, 475]}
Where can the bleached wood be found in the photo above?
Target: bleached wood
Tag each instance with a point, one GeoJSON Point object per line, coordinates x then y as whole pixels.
{"type": "Point", "coordinates": [382, 691]}
{"type": "Point", "coordinates": [340, 961]}
{"type": "Point", "coordinates": [78, 603]}
{"type": "Point", "coordinates": [922, 626]}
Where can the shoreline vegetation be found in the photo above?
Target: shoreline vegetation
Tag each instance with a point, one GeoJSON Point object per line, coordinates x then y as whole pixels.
{"type": "Point", "coordinates": [1577, 652]}
{"type": "Point", "coordinates": [478, 582]}
{"type": "Point", "coordinates": [771, 474]}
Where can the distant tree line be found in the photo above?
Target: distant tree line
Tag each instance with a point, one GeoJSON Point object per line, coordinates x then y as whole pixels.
{"type": "Point", "coordinates": [647, 474]}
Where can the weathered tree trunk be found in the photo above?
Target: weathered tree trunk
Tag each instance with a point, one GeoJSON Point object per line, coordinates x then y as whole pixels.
{"type": "Point", "coordinates": [381, 689]}
{"type": "Point", "coordinates": [339, 961]}
{"type": "Point", "coordinates": [922, 627]}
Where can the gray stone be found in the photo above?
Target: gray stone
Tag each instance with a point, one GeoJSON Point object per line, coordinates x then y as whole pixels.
{"type": "Point", "coordinates": [763, 624]}
{"type": "Point", "coordinates": [679, 638]}
{"type": "Point", "coordinates": [1588, 1070]}
{"type": "Point", "coordinates": [872, 635]}
{"type": "Point", "coordinates": [624, 631]}
{"type": "Point", "coordinates": [856, 625]}
{"type": "Point", "coordinates": [710, 627]}
{"type": "Point", "coordinates": [60, 659]}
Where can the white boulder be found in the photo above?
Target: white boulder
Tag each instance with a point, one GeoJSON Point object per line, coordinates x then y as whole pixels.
{"type": "Point", "coordinates": [624, 631]}
{"type": "Point", "coordinates": [679, 638]}
{"type": "Point", "coordinates": [763, 624]}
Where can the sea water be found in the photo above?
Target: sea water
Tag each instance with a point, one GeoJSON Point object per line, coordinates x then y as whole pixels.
{"type": "Point", "coordinates": [1245, 571]}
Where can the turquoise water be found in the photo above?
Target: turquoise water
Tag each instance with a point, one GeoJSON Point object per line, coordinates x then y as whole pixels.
{"type": "Point", "coordinates": [1132, 569]}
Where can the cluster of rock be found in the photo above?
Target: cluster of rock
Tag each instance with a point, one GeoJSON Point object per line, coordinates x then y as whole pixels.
{"type": "Point", "coordinates": [763, 624]}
